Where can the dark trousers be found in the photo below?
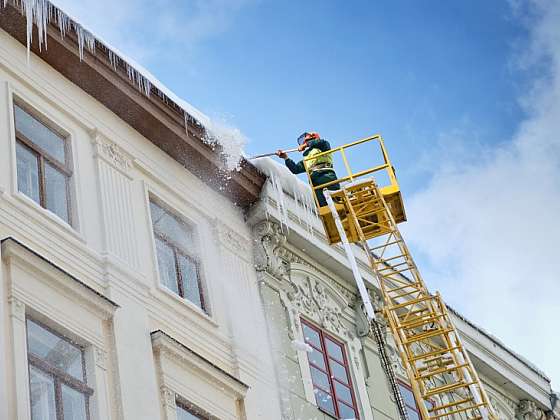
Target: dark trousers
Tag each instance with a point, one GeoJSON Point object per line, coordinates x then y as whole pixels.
{"type": "Point", "coordinates": [322, 177]}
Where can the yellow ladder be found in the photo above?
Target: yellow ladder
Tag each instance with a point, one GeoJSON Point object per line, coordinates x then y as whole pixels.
{"type": "Point", "coordinates": [443, 379]}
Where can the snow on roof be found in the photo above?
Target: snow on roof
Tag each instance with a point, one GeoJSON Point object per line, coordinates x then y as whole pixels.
{"type": "Point", "coordinates": [282, 181]}
{"type": "Point", "coordinates": [42, 12]}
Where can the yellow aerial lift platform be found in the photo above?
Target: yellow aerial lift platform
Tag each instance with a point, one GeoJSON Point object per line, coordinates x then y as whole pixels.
{"type": "Point", "coordinates": [363, 211]}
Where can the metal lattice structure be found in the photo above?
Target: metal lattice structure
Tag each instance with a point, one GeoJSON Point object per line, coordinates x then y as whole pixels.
{"type": "Point", "coordinates": [443, 379]}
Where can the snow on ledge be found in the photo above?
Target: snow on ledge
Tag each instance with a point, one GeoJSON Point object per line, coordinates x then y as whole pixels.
{"type": "Point", "coordinates": [283, 182]}
{"type": "Point", "coordinates": [41, 13]}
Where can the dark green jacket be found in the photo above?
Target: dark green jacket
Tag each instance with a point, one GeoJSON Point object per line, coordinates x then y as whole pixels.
{"type": "Point", "coordinates": [299, 168]}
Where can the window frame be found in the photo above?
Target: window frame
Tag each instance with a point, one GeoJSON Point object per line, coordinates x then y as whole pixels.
{"type": "Point", "coordinates": [188, 407]}
{"type": "Point", "coordinates": [178, 251]}
{"type": "Point", "coordinates": [330, 376]}
{"type": "Point", "coordinates": [415, 408]}
{"type": "Point", "coordinates": [59, 377]}
{"type": "Point", "coordinates": [43, 157]}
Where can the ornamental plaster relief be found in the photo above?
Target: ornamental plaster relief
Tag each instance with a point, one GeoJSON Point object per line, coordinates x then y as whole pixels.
{"type": "Point", "coordinates": [269, 240]}
{"type": "Point", "coordinates": [111, 153]}
{"type": "Point", "coordinates": [230, 239]}
{"type": "Point", "coordinates": [528, 410]}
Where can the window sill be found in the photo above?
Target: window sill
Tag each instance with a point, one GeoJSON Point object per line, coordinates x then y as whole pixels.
{"type": "Point", "coordinates": [22, 199]}
{"type": "Point", "coordinates": [191, 306]}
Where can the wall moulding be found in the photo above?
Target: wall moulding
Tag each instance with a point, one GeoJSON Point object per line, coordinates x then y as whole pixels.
{"type": "Point", "coordinates": [111, 153]}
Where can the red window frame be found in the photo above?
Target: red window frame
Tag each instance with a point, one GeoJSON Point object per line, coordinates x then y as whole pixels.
{"type": "Point", "coordinates": [331, 377]}
{"type": "Point", "coordinates": [416, 409]}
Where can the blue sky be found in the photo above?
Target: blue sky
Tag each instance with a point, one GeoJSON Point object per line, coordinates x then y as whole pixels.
{"type": "Point", "coordinates": [466, 94]}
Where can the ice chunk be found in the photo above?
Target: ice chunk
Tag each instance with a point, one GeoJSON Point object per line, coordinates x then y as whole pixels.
{"type": "Point", "coordinates": [301, 346]}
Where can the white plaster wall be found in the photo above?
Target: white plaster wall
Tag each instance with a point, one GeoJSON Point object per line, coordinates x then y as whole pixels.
{"type": "Point", "coordinates": [111, 249]}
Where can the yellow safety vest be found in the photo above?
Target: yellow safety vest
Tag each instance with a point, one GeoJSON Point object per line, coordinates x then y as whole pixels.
{"type": "Point", "coordinates": [310, 162]}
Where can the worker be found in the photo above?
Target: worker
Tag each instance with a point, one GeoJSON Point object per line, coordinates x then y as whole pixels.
{"type": "Point", "coordinates": [320, 169]}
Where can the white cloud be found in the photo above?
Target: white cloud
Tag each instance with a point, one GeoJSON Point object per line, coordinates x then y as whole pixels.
{"type": "Point", "coordinates": [487, 226]}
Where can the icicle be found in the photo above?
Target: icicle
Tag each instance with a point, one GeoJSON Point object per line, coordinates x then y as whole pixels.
{"type": "Point", "coordinates": [113, 59]}
{"type": "Point", "coordinates": [186, 118]}
{"type": "Point", "coordinates": [89, 41]}
{"type": "Point", "coordinates": [63, 22]}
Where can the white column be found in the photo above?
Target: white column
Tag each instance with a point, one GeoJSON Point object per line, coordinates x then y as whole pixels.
{"type": "Point", "coordinates": [19, 358]}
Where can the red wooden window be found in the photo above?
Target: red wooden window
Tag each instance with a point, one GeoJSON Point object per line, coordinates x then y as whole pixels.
{"type": "Point", "coordinates": [330, 374]}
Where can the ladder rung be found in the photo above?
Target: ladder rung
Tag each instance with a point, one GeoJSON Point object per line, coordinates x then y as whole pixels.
{"type": "Point", "coordinates": [416, 311]}
{"type": "Point", "coordinates": [393, 272]}
{"type": "Point", "coordinates": [407, 294]}
{"type": "Point", "coordinates": [447, 388]}
{"type": "Point", "coordinates": [429, 334]}
{"type": "Point", "coordinates": [410, 303]}
{"type": "Point", "coordinates": [385, 245]}
{"type": "Point", "coordinates": [392, 267]}
{"type": "Point", "coordinates": [420, 321]}
{"type": "Point", "coordinates": [433, 353]}
{"type": "Point", "coordinates": [458, 410]}
{"type": "Point", "coordinates": [451, 404]}
{"type": "Point", "coordinates": [396, 289]}
{"type": "Point", "coordinates": [384, 260]}
{"type": "Point", "coordinates": [440, 371]}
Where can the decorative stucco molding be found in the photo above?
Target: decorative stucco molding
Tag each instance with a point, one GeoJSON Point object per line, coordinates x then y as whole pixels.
{"type": "Point", "coordinates": [100, 357]}
{"type": "Point", "coordinates": [111, 153]}
{"type": "Point", "coordinates": [529, 410]}
{"type": "Point", "coordinates": [168, 397]}
{"type": "Point", "coordinates": [269, 240]}
{"type": "Point", "coordinates": [230, 239]}
{"type": "Point", "coordinates": [17, 308]}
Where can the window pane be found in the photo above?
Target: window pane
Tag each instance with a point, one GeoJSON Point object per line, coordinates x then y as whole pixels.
{"type": "Point", "coordinates": [338, 371]}
{"type": "Point", "coordinates": [166, 264]}
{"type": "Point", "coordinates": [317, 359]}
{"type": "Point", "coordinates": [407, 395]}
{"type": "Point", "coordinates": [39, 134]}
{"type": "Point", "coordinates": [334, 350]}
{"type": "Point", "coordinates": [189, 274]}
{"type": "Point", "coordinates": [324, 401]}
{"type": "Point", "coordinates": [42, 395]}
{"type": "Point", "coordinates": [183, 414]}
{"type": "Point", "coordinates": [412, 414]}
{"type": "Point", "coordinates": [346, 412]}
{"type": "Point", "coordinates": [311, 336]}
{"type": "Point", "coordinates": [55, 189]}
{"type": "Point", "coordinates": [320, 379]}
{"type": "Point", "coordinates": [56, 351]}
{"type": "Point", "coordinates": [73, 404]}
{"type": "Point", "coordinates": [172, 229]}
{"type": "Point", "coordinates": [27, 173]}
{"type": "Point", "coordinates": [342, 392]}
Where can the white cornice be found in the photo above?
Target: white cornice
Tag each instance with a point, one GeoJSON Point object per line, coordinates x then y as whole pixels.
{"type": "Point", "coordinates": [167, 346]}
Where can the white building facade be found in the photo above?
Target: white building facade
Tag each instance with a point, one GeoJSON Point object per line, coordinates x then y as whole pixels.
{"type": "Point", "coordinates": [139, 282]}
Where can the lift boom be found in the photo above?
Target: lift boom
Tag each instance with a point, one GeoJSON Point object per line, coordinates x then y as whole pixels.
{"type": "Point", "coordinates": [441, 374]}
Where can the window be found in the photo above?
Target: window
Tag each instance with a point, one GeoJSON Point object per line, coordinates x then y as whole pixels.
{"type": "Point", "coordinates": [43, 164]}
{"type": "Point", "coordinates": [57, 378]}
{"type": "Point", "coordinates": [179, 267]}
{"type": "Point", "coordinates": [330, 374]}
{"type": "Point", "coordinates": [184, 413]}
{"type": "Point", "coordinates": [410, 403]}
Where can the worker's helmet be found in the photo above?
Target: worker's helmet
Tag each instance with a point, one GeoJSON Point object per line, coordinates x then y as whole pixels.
{"type": "Point", "coordinates": [307, 136]}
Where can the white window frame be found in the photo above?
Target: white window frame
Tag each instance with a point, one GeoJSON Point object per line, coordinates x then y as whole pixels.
{"type": "Point", "coordinates": [42, 291]}
{"type": "Point", "coordinates": [185, 375]}
{"type": "Point", "coordinates": [42, 109]}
